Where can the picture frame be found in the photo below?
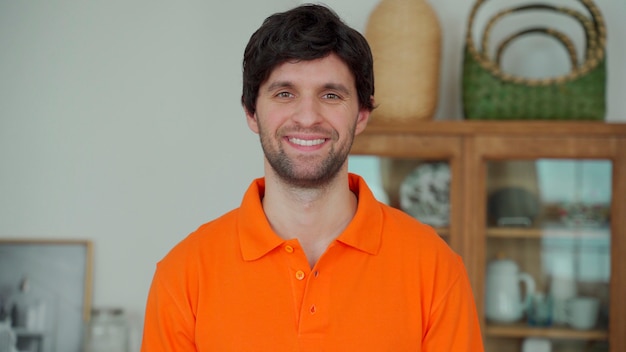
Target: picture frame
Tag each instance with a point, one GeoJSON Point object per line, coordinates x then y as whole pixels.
{"type": "Point", "coordinates": [45, 292]}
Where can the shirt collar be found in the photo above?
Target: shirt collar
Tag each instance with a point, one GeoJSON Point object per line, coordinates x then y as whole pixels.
{"type": "Point", "coordinates": [257, 237]}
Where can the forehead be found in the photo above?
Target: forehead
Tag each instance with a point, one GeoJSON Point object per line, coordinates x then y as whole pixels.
{"type": "Point", "coordinates": [329, 69]}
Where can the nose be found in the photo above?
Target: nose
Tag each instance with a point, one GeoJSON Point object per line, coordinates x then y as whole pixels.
{"type": "Point", "coordinates": [308, 111]}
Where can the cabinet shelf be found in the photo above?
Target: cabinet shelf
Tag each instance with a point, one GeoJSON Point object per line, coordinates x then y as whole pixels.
{"type": "Point", "coordinates": [522, 331]}
{"type": "Point", "coordinates": [536, 232]}
{"type": "Point", "coordinates": [514, 232]}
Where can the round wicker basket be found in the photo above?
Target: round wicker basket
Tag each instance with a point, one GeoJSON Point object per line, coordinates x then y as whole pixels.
{"type": "Point", "coordinates": [405, 38]}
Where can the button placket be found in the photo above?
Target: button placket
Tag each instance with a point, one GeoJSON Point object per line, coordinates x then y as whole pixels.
{"type": "Point", "coordinates": [313, 307]}
{"type": "Point", "coordinates": [314, 314]}
{"type": "Point", "coordinates": [296, 261]}
{"type": "Point", "coordinates": [299, 270]}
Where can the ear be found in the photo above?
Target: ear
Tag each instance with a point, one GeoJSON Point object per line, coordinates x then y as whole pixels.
{"type": "Point", "coordinates": [363, 118]}
{"type": "Point", "coordinates": [251, 119]}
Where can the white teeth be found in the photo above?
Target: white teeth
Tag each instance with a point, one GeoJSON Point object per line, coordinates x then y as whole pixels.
{"type": "Point", "coordinates": [306, 142]}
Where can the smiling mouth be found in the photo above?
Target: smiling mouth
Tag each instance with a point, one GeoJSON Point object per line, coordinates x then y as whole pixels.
{"type": "Point", "coordinates": [307, 142]}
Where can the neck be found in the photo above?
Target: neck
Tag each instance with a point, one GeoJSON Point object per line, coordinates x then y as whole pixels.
{"type": "Point", "coordinates": [313, 216]}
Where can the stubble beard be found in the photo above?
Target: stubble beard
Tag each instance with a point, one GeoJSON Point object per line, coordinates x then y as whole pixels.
{"type": "Point", "coordinates": [302, 173]}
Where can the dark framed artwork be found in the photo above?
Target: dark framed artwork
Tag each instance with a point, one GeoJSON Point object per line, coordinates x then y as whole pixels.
{"type": "Point", "coordinates": [45, 292]}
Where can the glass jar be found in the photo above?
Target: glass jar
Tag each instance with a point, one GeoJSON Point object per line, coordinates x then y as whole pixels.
{"type": "Point", "coordinates": [108, 331]}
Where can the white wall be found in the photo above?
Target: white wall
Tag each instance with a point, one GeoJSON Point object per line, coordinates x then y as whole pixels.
{"type": "Point", "coordinates": [120, 120]}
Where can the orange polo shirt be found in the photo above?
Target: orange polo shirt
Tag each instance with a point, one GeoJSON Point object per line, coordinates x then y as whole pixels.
{"type": "Point", "coordinates": [387, 283]}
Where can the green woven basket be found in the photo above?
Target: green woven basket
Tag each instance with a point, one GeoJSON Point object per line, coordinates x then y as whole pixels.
{"type": "Point", "coordinates": [490, 93]}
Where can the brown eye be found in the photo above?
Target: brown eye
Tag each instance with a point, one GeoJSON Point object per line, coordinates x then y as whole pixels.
{"type": "Point", "coordinates": [284, 95]}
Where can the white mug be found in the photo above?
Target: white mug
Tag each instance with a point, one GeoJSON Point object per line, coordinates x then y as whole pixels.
{"type": "Point", "coordinates": [536, 344]}
{"type": "Point", "coordinates": [582, 312]}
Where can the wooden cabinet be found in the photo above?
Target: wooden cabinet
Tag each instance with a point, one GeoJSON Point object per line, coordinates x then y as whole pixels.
{"type": "Point", "coordinates": [540, 158]}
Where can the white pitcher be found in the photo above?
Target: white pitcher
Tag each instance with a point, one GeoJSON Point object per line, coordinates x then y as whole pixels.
{"type": "Point", "coordinates": [503, 297]}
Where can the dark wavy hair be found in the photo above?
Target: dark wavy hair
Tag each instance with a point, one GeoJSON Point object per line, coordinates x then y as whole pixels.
{"type": "Point", "coordinates": [306, 32]}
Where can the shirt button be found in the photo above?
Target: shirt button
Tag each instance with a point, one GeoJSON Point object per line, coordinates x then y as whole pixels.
{"type": "Point", "coordinates": [288, 249]}
{"type": "Point", "coordinates": [299, 274]}
{"type": "Point", "coordinates": [313, 309]}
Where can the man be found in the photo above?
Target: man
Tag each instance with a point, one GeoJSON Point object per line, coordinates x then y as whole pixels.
{"type": "Point", "coordinates": [310, 261]}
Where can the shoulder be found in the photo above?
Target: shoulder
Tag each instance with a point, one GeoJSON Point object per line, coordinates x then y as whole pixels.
{"type": "Point", "coordinates": [402, 227]}
{"type": "Point", "coordinates": [212, 237]}
{"type": "Point", "coordinates": [418, 244]}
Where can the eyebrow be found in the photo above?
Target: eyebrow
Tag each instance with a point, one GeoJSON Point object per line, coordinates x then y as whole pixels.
{"type": "Point", "coordinates": [279, 84]}
{"type": "Point", "coordinates": [338, 87]}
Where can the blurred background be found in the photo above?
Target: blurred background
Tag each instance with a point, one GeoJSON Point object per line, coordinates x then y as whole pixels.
{"type": "Point", "coordinates": [120, 121]}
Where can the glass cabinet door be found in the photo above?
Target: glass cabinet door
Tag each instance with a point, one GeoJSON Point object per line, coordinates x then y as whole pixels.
{"type": "Point", "coordinates": [547, 265]}
{"type": "Point", "coordinates": [420, 188]}
{"type": "Point", "coordinates": [417, 174]}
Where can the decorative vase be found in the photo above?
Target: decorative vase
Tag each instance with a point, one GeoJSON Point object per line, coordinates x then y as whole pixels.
{"type": "Point", "coordinates": [405, 38]}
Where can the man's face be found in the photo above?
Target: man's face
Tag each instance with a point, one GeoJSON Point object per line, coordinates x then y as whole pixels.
{"type": "Point", "coordinates": [307, 116]}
